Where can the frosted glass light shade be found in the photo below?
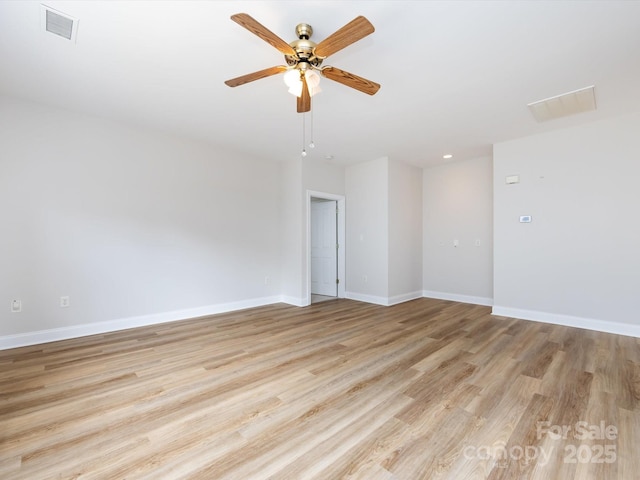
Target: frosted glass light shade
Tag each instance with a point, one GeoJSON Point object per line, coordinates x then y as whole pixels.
{"type": "Point", "coordinates": [292, 77]}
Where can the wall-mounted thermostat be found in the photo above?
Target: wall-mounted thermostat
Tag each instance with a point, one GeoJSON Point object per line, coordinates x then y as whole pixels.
{"type": "Point", "coordinates": [511, 179]}
{"type": "Point", "coordinates": [525, 218]}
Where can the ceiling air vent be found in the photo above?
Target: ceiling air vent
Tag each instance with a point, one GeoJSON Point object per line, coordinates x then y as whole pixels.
{"type": "Point", "coordinates": [578, 101]}
{"type": "Point", "coordinates": [58, 23]}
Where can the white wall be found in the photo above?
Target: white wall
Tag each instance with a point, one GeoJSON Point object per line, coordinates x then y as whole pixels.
{"type": "Point", "coordinates": [405, 232]}
{"type": "Point", "coordinates": [384, 231]}
{"type": "Point", "coordinates": [323, 176]}
{"type": "Point", "coordinates": [128, 223]}
{"type": "Point", "coordinates": [296, 178]}
{"type": "Point", "coordinates": [577, 262]}
{"type": "Point", "coordinates": [458, 206]}
{"type": "Point", "coordinates": [367, 212]}
{"type": "Point", "coordinates": [137, 227]}
{"type": "Point", "coordinates": [292, 230]}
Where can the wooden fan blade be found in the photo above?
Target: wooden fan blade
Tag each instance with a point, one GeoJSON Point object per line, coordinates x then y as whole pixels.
{"type": "Point", "coordinates": [304, 100]}
{"type": "Point", "coordinates": [351, 80]}
{"type": "Point", "coordinates": [250, 77]}
{"type": "Point", "coordinates": [353, 31]}
{"type": "Point", "coordinates": [248, 22]}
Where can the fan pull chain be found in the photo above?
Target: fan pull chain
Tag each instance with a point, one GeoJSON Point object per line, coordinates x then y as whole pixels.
{"type": "Point", "coordinates": [311, 144]}
{"type": "Point", "coordinates": [304, 151]}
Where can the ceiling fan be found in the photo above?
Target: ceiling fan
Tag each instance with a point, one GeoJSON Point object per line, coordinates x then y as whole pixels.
{"type": "Point", "coordinates": [304, 58]}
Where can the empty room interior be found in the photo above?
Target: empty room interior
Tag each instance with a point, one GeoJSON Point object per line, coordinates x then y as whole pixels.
{"type": "Point", "coordinates": [381, 240]}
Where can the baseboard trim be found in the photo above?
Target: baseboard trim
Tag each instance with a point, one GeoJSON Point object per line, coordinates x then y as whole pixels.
{"type": "Point", "coordinates": [454, 297]}
{"type": "Point", "coordinates": [384, 301]}
{"type": "Point", "coordinates": [295, 301]}
{"type": "Point", "coordinates": [75, 331]}
{"type": "Point", "coordinates": [361, 297]}
{"type": "Point", "coordinates": [405, 297]}
{"type": "Point", "coordinates": [569, 321]}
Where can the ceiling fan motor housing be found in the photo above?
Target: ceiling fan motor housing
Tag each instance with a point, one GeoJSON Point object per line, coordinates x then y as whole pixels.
{"type": "Point", "coordinates": [304, 48]}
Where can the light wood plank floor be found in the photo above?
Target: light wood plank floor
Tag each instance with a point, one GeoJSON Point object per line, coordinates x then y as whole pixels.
{"type": "Point", "coordinates": [427, 389]}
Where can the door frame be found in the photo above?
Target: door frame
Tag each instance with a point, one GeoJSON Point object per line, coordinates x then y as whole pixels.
{"type": "Point", "coordinates": [324, 213]}
{"type": "Point", "coordinates": [341, 227]}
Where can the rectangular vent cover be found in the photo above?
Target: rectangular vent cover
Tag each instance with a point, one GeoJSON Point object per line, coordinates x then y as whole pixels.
{"type": "Point", "coordinates": [578, 101]}
{"type": "Point", "coordinates": [58, 23]}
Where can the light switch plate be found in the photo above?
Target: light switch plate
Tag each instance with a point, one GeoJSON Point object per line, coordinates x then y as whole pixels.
{"type": "Point", "coordinates": [16, 306]}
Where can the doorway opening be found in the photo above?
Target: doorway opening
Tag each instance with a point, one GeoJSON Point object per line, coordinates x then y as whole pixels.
{"type": "Point", "coordinates": [325, 247]}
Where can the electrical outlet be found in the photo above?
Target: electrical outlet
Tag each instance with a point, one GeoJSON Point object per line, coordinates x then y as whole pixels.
{"type": "Point", "coordinates": [266, 280]}
{"type": "Point", "coordinates": [64, 302]}
{"type": "Point", "coordinates": [16, 306]}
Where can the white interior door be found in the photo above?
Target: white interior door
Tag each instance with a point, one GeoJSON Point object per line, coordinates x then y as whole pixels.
{"type": "Point", "coordinates": [324, 248]}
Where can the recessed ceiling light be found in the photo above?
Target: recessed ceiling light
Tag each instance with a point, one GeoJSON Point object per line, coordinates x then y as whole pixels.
{"type": "Point", "coordinates": [329, 157]}
{"type": "Point", "coordinates": [447, 156]}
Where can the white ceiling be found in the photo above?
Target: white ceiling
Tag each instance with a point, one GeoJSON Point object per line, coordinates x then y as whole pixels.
{"type": "Point", "coordinates": [456, 76]}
